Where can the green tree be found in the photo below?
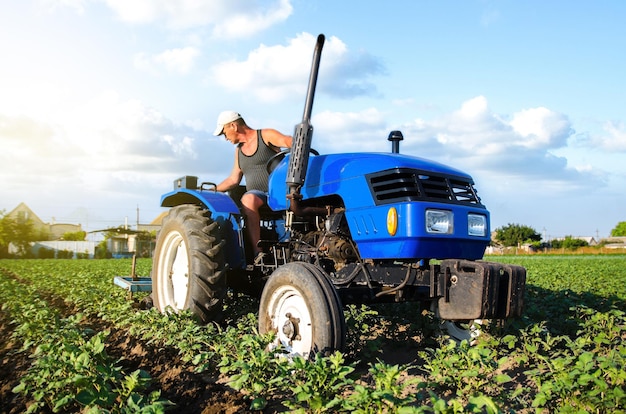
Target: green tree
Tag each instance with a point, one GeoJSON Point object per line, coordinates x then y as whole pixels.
{"type": "Point", "coordinates": [619, 230]}
{"type": "Point", "coordinates": [20, 233]}
{"type": "Point", "coordinates": [101, 250]}
{"type": "Point", "coordinates": [6, 232]}
{"type": "Point", "coordinates": [74, 235]}
{"type": "Point", "coordinates": [569, 242]}
{"type": "Point", "coordinates": [23, 236]}
{"type": "Point", "coordinates": [516, 234]}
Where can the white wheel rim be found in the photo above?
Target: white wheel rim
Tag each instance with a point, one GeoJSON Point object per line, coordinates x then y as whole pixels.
{"type": "Point", "coordinates": [173, 271]}
{"type": "Point", "coordinates": [290, 315]}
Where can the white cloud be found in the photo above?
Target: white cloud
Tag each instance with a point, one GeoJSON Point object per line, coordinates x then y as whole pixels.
{"type": "Point", "coordinates": [106, 136]}
{"type": "Point", "coordinates": [275, 73]}
{"type": "Point", "coordinates": [137, 11]}
{"type": "Point", "coordinates": [103, 153]}
{"type": "Point", "coordinates": [615, 138]}
{"type": "Point", "coordinates": [125, 134]}
{"type": "Point", "coordinates": [474, 108]}
{"type": "Point", "coordinates": [236, 24]}
{"type": "Point", "coordinates": [520, 145]}
{"type": "Point", "coordinates": [270, 72]}
{"type": "Point", "coordinates": [475, 129]}
{"type": "Point", "coordinates": [77, 5]}
{"type": "Point", "coordinates": [472, 138]}
{"type": "Point", "coordinates": [471, 130]}
{"type": "Point", "coordinates": [229, 18]}
{"type": "Point", "coordinates": [541, 128]}
{"type": "Point", "coordinates": [181, 145]}
{"type": "Point", "coordinates": [362, 131]}
{"type": "Point", "coordinates": [179, 60]}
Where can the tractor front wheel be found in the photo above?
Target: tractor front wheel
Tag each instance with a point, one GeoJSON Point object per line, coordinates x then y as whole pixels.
{"type": "Point", "coordinates": [302, 307]}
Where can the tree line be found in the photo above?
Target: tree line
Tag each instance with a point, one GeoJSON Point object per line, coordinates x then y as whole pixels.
{"type": "Point", "coordinates": [22, 233]}
{"type": "Point", "coordinates": [513, 235]}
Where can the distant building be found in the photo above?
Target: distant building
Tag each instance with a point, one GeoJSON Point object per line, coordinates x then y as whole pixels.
{"type": "Point", "coordinates": [591, 241]}
{"type": "Point", "coordinates": [53, 231]}
{"type": "Point", "coordinates": [49, 234]}
{"type": "Point", "coordinates": [155, 225]}
{"type": "Point", "coordinates": [124, 244]}
{"type": "Point", "coordinates": [615, 243]}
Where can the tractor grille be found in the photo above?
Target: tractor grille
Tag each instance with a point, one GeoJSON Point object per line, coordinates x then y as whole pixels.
{"type": "Point", "coordinates": [405, 184]}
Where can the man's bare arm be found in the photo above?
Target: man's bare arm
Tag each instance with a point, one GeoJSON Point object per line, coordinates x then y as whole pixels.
{"type": "Point", "coordinates": [233, 179]}
{"type": "Point", "coordinates": [272, 136]}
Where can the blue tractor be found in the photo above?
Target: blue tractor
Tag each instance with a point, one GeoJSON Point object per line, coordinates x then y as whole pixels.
{"type": "Point", "coordinates": [339, 229]}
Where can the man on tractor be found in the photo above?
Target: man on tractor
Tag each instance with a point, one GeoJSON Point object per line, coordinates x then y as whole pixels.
{"type": "Point", "coordinates": [254, 149]}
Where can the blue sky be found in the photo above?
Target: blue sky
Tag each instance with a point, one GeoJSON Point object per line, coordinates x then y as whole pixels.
{"type": "Point", "coordinates": [103, 103]}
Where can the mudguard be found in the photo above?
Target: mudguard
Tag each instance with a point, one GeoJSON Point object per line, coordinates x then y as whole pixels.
{"type": "Point", "coordinates": [217, 203]}
{"type": "Point", "coordinates": [223, 211]}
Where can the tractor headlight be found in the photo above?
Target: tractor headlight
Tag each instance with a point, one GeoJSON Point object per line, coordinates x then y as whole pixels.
{"type": "Point", "coordinates": [439, 221]}
{"type": "Point", "coordinates": [476, 225]}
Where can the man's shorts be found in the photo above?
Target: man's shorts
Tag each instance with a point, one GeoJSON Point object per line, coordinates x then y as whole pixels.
{"type": "Point", "coordinates": [262, 195]}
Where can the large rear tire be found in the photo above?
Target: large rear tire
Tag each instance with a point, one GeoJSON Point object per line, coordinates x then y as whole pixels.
{"type": "Point", "coordinates": [302, 307]}
{"type": "Point", "coordinates": [188, 265]}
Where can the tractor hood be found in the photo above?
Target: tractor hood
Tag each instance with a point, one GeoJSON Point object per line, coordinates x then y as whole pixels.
{"type": "Point", "coordinates": [345, 175]}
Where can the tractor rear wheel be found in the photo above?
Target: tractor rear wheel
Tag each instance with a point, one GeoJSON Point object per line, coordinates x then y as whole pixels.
{"type": "Point", "coordinates": [188, 265]}
{"type": "Point", "coordinates": [302, 307]}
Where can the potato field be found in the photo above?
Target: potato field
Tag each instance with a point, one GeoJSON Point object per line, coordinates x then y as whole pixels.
{"type": "Point", "coordinates": [73, 342]}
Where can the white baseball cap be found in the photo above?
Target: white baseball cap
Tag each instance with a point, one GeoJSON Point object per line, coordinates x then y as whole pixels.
{"type": "Point", "coordinates": [224, 118]}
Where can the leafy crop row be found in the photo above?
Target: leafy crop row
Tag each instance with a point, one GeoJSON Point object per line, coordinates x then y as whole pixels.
{"type": "Point", "coordinates": [70, 365]}
{"type": "Point", "coordinates": [566, 354]}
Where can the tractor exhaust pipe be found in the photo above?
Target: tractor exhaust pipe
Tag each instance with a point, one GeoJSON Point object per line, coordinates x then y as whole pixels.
{"type": "Point", "coordinates": [299, 157]}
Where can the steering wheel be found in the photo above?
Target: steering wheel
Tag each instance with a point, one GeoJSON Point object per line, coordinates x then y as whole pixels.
{"type": "Point", "coordinates": [273, 162]}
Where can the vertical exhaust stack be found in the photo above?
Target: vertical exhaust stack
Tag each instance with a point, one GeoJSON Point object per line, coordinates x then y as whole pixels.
{"type": "Point", "coordinates": [299, 158]}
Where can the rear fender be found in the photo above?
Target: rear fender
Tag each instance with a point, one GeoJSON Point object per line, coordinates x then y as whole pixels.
{"type": "Point", "coordinates": [223, 211]}
{"type": "Point", "coordinates": [218, 203]}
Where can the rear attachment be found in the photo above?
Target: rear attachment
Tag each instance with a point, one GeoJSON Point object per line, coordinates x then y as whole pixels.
{"type": "Point", "coordinates": [133, 283]}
